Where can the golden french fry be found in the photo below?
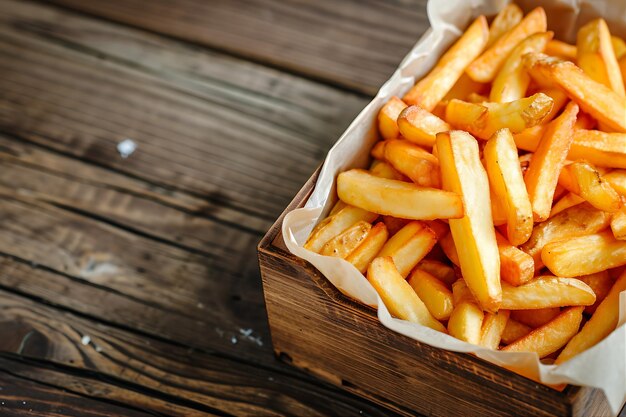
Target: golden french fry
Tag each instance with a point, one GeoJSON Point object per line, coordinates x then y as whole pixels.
{"type": "Point", "coordinates": [567, 201]}
{"type": "Point", "coordinates": [418, 164]}
{"type": "Point", "coordinates": [463, 88]}
{"type": "Point", "coordinates": [537, 317]}
{"type": "Point", "coordinates": [420, 126]}
{"type": "Point", "coordinates": [547, 291]}
{"type": "Point", "coordinates": [528, 139]}
{"type": "Point", "coordinates": [388, 116]}
{"type": "Point", "coordinates": [559, 100]}
{"type": "Point", "coordinates": [600, 325]}
{"type": "Point", "coordinates": [447, 244]}
{"type": "Point", "coordinates": [595, 98]}
{"type": "Point", "coordinates": [396, 198]}
{"type": "Point", "coordinates": [507, 182]}
{"type": "Point", "coordinates": [466, 319]}
{"type": "Point", "coordinates": [378, 150]}
{"type": "Point", "coordinates": [618, 224]}
{"type": "Point", "coordinates": [439, 270]}
{"type": "Point", "coordinates": [561, 50]}
{"type": "Point", "coordinates": [474, 235]}
{"type": "Point", "coordinates": [492, 329]}
{"type": "Point", "coordinates": [365, 253]}
{"type": "Point", "coordinates": [600, 283]}
{"type": "Point", "coordinates": [504, 21]}
{"type": "Point", "coordinates": [547, 162]}
{"type": "Point", "coordinates": [513, 331]}
{"type": "Point", "coordinates": [516, 267]}
{"type": "Point", "coordinates": [584, 180]}
{"type": "Point", "coordinates": [584, 255]}
{"type": "Point", "coordinates": [336, 224]}
{"type": "Point", "coordinates": [409, 246]}
{"type": "Point", "coordinates": [439, 227]}
{"type": "Point", "coordinates": [344, 243]}
{"type": "Point", "coordinates": [434, 293]}
{"type": "Point", "coordinates": [477, 98]}
{"type": "Point", "coordinates": [617, 179]}
{"type": "Point", "coordinates": [394, 224]}
{"type": "Point", "coordinates": [497, 210]}
{"type": "Point", "coordinates": [550, 337]}
{"type": "Point", "coordinates": [483, 120]}
{"type": "Point", "coordinates": [432, 88]}
{"type": "Point", "coordinates": [384, 170]}
{"type": "Point", "coordinates": [622, 67]}
{"type": "Point", "coordinates": [576, 221]}
{"type": "Point", "coordinates": [619, 46]}
{"type": "Point", "coordinates": [485, 67]}
{"type": "Point", "coordinates": [524, 162]}
{"type": "Point", "coordinates": [338, 206]}
{"type": "Point", "coordinates": [596, 57]}
{"type": "Point", "coordinates": [512, 80]}
{"type": "Point", "coordinates": [398, 295]}
{"type": "Point", "coordinates": [599, 148]}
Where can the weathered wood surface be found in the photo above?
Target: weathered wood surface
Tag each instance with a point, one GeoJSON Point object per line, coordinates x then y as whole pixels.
{"type": "Point", "coordinates": [153, 257]}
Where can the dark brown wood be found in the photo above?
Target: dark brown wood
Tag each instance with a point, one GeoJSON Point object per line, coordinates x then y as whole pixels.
{"type": "Point", "coordinates": [333, 337]}
{"type": "Point", "coordinates": [357, 44]}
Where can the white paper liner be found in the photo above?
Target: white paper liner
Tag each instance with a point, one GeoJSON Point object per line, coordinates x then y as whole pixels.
{"type": "Point", "coordinates": [604, 365]}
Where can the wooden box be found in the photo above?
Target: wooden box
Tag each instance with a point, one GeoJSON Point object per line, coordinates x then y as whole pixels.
{"type": "Point", "coordinates": [316, 328]}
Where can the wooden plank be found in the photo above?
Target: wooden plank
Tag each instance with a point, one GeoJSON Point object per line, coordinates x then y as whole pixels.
{"type": "Point", "coordinates": [25, 397]}
{"type": "Point", "coordinates": [185, 377]}
{"type": "Point", "coordinates": [83, 104]}
{"type": "Point", "coordinates": [353, 43]}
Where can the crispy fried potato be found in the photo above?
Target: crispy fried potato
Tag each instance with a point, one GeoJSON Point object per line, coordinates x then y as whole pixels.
{"type": "Point", "coordinates": [504, 21]}
{"type": "Point", "coordinates": [384, 170]}
{"type": "Point", "coordinates": [550, 337]}
{"type": "Point", "coordinates": [474, 235]}
{"type": "Point", "coordinates": [409, 246]}
{"type": "Point", "coordinates": [463, 88]}
{"type": "Point", "coordinates": [439, 227]}
{"type": "Point", "coordinates": [483, 120]}
{"type": "Point", "coordinates": [492, 329]}
{"type": "Point", "coordinates": [516, 267]}
{"type": "Point", "coordinates": [344, 243]}
{"type": "Point", "coordinates": [365, 253]}
{"type": "Point", "coordinates": [600, 148]}
{"type": "Point", "coordinates": [599, 101]}
{"type": "Point", "coordinates": [601, 324]}
{"type": "Point", "coordinates": [619, 47]}
{"type": "Point", "coordinates": [432, 88]}
{"type": "Point", "coordinates": [418, 164]}
{"type": "Point", "coordinates": [584, 255]}
{"type": "Point", "coordinates": [497, 210]}
{"type": "Point", "coordinates": [512, 80]}
{"type": "Point", "coordinates": [507, 182]}
{"type": "Point", "coordinates": [561, 50]}
{"type": "Point", "coordinates": [336, 224]}
{"type": "Point", "coordinates": [338, 206]}
{"type": "Point", "coordinates": [617, 179]}
{"type": "Point", "coordinates": [567, 201]}
{"type": "Point", "coordinates": [600, 283]}
{"type": "Point", "coordinates": [396, 198]}
{"type": "Point", "coordinates": [559, 100]}
{"type": "Point", "coordinates": [485, 67]}
{"type": "Point", "coordinates": [447, 244]}
{"type": "Point", "coordinates": [398, 295]}
{"type": "Point", "coordinates": [584, 180]}
{"type": "Point", "coordinates": [420, 126]}
{"type": "Point", "coordinates": [466, 319]}
{"type": "Point", "coordinates": [547, 162]}
{"type": "Point", "coordinates": [513, 331]}
{"type": "Point", "coordinates": [439, 270]}
{"type": "Point", "coordinates": [378, 150]}
{"type": "Point", "coordinates": [394, 224]}
{"type": "Point", "coordinates": [576, 221]}
{"type": "Point", "coordinates": [547, 291]}
{"type": "Point", "coordinates": [434, 293]}
{"type": "Point", "coordinates": [388, 116]}
{"type": "Point", "coordinates": [596, 57]}
{"type": "Point", "coordinates": [528, 139]}
{"type": "Point", "coordinates": [618, 224]}
{"type": "Point", "coordinates": [535, 318]}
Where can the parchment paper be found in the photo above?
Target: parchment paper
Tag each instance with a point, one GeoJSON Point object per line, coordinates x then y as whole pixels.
{"type": "Point", "coordinates": [604, 365]}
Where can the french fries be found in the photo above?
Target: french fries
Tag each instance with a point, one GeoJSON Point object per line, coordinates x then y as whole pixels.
{"type": "Point", "coordinates": [432, 88]}
{"type": "Point", "coordinates": [398, 295]}
{"type": "Point", "coordinates": [533, 177]}
{"type": "Point", "coordinates": [546, 292]}
{"type": "Point", "coordinates": [396, 198]}
{"type": "Point", "coordinates": [547, 162]}
{"type": "Point", "coordinates": [483, 120]}
{"type": "Point", "coordinates": [474, 235]}
{"type": "Point", "coordinates": [550, 337]}
{"type": "Point", "coordinates": [599, 325]}
{"type": "Point", "coordinates": [505, 178]}
{"type": "Point", "coordinates": [584, 255]}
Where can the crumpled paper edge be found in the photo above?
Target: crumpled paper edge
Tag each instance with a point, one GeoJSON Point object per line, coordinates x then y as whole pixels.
{"type": "Point", "coordinates": [604, 365]}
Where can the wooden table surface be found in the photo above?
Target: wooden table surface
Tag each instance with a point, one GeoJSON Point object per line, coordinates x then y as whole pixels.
{"type": "Point", "coordinates": [130, 286]}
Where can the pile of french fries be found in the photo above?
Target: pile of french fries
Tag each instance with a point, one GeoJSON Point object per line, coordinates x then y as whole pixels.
{"type": "Point", "coordinates": [495, 207]}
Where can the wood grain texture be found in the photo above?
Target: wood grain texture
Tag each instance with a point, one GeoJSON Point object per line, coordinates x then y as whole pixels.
{"type": "Point", "coordinates": [186, 378]}
{"type": "Point", "coordinates": [356, 44]}
{"type": "Point", "coordinates": [199, 127]}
